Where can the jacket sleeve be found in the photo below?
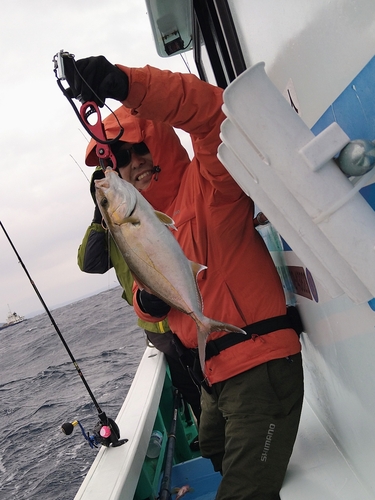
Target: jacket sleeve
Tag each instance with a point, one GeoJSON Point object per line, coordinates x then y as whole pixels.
{"type": "Point", "coordinates": [93, 254]}
{"type": "Point", "coordinates": [190, 104]}
{"type": "Point", "coordinates": [93, 257]}
{"type": "Point", "coordinates": [146, 318]}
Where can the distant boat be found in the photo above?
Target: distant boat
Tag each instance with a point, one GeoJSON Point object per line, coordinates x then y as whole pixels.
{"type": "Point", "coordinates": [12, 319]}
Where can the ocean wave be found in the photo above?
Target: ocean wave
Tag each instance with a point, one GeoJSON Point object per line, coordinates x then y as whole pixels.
{"type": "Point", "coordinates": [41, 389]}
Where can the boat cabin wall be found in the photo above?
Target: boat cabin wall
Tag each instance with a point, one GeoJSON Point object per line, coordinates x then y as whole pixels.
{"type": "Point", "coordinates": [320, 56]}
{"type": "Point", "coordinates": [313, 48]}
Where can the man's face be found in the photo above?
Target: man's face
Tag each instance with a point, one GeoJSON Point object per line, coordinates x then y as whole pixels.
{"type": "Point", "coordinates": [135, 165]}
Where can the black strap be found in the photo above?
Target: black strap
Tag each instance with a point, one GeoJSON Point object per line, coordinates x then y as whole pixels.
{"type": "Point", "coordinates": [214, 347]}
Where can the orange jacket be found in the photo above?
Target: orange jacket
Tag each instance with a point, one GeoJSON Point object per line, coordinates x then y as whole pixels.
{"type": "Point", "coordinates": [213, 215]}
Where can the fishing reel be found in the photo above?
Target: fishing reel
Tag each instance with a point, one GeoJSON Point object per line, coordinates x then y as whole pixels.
{"type": "Point", "coordinates": [106, 432]}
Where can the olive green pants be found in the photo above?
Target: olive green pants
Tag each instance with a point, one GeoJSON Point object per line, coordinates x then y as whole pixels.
{"type": "Point", "coordinates": [248, 428]}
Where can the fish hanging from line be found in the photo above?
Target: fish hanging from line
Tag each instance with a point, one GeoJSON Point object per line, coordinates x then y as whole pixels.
{"type": "Point", "coordinates": [153, 254]}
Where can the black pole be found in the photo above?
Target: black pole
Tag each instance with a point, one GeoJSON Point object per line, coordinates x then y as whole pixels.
{"type": "Point", "coordinates": [54, 324]}
{"type": "Point", "coordinates": [165, 489]}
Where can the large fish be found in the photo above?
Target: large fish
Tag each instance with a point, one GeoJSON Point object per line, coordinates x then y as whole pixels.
{"type": "Point", "coordinates": [153, 254]}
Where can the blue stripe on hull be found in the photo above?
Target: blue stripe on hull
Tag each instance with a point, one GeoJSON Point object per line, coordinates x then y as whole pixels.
{"type": "Point", "coordinates": [354, 111]}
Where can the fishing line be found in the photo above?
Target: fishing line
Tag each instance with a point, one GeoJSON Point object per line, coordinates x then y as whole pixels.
{"type": "Point", "coordinates": [87, 140]}
{"type": "Point", "coordinates": [109, 253]}
{"type": "Point", "coordinates": [111, 431]}
{"type": "Point", "coordinates": [78, 165]}
{"type": "Point", "coordinates": [186, 62]}
{"type": "Point", "coordinates": [109, 267]}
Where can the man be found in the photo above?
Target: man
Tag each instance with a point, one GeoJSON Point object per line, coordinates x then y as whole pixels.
{"type": "Point", "coordinates": [251, 410]}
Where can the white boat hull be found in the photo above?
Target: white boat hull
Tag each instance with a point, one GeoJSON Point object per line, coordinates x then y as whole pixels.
{"type": "Point", "coordinates": [115, 472]}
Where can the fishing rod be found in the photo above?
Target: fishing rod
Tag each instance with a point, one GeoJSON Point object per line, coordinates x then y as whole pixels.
{"type": "Point", "coordinates": [106, 432]}
{"type": "Point", "coordinates": [165, 488]}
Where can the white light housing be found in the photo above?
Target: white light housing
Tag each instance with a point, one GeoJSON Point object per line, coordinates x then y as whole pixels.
{"type": "Point", "coordinates": [172, 25]}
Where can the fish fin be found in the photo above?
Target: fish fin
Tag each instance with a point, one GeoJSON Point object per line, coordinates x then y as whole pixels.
{"type": "Point", "coordinates": [205, 327]}
{"type": "Point", "coordinates": [202, 338]}
{"type": "Point", "coordinates": [165, 219]}
{"type": "Point", "coordinates": [218, 326]}
{"type": "Point", "coordinates": [131, 220]}
{"type": "Point", "coordinates": [141, 286]}
{"type": "Point", "coordinates": [139, 282]}
{"type": "Point", "coordinates": [196, 269]}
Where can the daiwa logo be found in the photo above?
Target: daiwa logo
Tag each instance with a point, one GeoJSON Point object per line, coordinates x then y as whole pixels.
{"type": "Point", "coordinates": [267, 444]}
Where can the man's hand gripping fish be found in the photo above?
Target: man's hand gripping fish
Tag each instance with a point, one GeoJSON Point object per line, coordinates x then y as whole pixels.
{"type": "Point", "coordinates": [153, 254]}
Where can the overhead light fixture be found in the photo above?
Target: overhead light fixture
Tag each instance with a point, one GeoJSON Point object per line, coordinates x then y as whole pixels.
{"type": "Point", "coordinates": [172, 25]}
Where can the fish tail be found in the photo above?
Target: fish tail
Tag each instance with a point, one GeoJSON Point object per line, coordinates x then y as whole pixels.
{"type": "Point", "coordinates": [205, 327]}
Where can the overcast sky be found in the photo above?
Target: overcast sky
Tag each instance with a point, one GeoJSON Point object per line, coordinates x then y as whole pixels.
{"type": "Point", "coordinates": [45, 203]}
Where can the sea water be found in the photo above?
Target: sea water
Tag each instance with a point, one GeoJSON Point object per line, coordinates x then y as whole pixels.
{"type": "Point", "coordinates": [40, 389]}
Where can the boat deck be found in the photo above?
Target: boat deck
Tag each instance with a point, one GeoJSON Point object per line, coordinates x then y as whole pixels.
{"type": "Point", "coordinates": [317, 469]}
{"type": "Point", "coordinates": [199, 475]}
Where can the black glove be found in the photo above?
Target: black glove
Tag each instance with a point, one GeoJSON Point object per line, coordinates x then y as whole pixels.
{"type": "Point", "coordinates": [95, 79]}
{"type": "Point", "coordinates": [98, 174]}
{"type": "Point", "coordinates": [97, 215]}
{"type": "Point", "coordinates": [152, 305]}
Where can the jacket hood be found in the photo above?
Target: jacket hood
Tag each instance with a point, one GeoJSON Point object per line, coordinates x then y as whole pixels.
{"type": "Point", "coordinates": [165, 148]}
